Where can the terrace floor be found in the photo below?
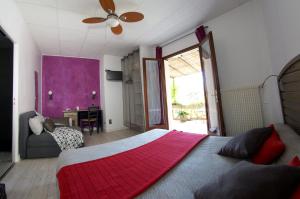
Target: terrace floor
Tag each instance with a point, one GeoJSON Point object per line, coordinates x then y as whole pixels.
{"type": "Point", "coordinates": [193, 126]}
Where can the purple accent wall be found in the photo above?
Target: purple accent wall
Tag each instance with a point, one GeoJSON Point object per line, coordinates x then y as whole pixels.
{"type": "Point", "coordinates": [72, 81]}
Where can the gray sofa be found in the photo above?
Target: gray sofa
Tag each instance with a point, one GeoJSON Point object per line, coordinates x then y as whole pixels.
{"type": "Point", "coordinates": [35, 146]}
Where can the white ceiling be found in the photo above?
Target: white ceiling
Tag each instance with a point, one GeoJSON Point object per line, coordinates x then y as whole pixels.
{"type": "Point", "coordinates": [57, 28]}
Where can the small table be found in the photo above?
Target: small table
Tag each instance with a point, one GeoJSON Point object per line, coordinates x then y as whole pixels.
{"type": "Point", "coordinates": [73, 115]}
{"type": "Point", "coordinates": [77, 115]}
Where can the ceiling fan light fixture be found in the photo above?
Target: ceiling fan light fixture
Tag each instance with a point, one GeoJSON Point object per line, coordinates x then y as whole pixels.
{"type": "Point", "coordinates": [113, 21]}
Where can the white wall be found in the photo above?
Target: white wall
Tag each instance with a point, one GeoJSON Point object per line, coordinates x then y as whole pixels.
{"type": "Point", "coordinates": [27, 59]}
{"type": "Point", "coordinates": [242, 49]}
{"type": "Point", "coordinates": [282, 24]}
{"type": "Point", "coordinates": [180, 44]}
{"type": "Point", "coordinates": [283, 29]}
{"type": "Point", "coordinates": [241, 46]}
{"type": "Point", "coordinates": [146, 52]}
{"type": "Point", "coordinates": [112, 93]}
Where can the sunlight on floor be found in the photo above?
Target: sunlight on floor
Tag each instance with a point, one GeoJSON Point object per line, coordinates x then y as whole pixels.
{"type": "Point", "coordinates": [193, 126]}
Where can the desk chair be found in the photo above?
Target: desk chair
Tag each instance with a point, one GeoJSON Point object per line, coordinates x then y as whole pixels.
{"type": "Point", "coordinates": [92, 120]}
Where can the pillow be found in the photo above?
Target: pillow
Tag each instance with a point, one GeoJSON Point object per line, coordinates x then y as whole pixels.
{"type": "Point", "coordinates": [296, 193]}
{"type": "Point", "coordinates": [248, 181]}
{"type": "Point", "coordinates": [291, 139]}
{"type": "Point", "coordinates": [271, 150]}
{"type": "Point", "coordinates": [40, 116]}
{"type": "Point", "coordinates": [295, 162]}
{"type": "Point", "coordinates": [49, 125]}
{"type": "Point", "coordinates": [246, 144]}
{"type": "Point", "coordinates": [36, 125]}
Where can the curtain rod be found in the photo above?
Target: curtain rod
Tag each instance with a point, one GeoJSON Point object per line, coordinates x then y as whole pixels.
{"type": "Point", "coordinates": [180, 37]}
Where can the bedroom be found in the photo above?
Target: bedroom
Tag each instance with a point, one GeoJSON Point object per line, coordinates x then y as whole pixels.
{"type": "Point", "coordinates": [252, 41]}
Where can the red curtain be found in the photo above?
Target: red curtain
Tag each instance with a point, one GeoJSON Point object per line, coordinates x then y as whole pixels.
{"type": "Point", "coordinates": [200, 33]}
{"type": "Point", "coordinates": [158, 52]}
{"type": "Point", "coordinates": [159, 56]}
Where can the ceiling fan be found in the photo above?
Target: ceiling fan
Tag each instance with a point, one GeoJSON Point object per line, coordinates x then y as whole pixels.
{"type": "Point", "coordinates": [113, 20]}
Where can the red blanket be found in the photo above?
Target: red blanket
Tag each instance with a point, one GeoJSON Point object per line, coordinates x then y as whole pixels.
{"type": "Point", "coordinates": [127, 174]}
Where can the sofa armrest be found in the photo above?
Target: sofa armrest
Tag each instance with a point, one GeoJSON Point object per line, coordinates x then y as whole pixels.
{"type": "Point", "coordinates": [24, 132]}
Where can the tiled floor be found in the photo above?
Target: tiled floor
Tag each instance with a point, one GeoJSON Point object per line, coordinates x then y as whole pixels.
{"type": "Point", "coordinates": [35, 178]}
{"type": "Point", "coordinates": [5, 162]}
{"type": "Point", "coordinates": [100, 138]}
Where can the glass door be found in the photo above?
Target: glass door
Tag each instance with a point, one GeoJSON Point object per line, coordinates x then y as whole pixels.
{"type": "Point", "coordinates": [214, 111]}
{"type": "Point", "coordinates": [155, 94]}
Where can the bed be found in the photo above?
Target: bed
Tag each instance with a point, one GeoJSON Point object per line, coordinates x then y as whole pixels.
{"type": "Point", "coordinates": [202, 164]}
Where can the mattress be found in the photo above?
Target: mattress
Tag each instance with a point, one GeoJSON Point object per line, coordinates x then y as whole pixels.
{"type": "Point", "coordinates": [199, 167]}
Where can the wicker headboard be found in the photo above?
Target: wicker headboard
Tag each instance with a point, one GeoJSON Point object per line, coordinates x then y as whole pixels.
{"type": "Point", "coordinates": [289, 86]}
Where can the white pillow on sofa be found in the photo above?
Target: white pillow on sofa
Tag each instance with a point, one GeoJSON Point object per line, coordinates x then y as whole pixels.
{"type": "Point", "coordinates": [40, 116]}
{"type": "Point", "coordinates": [36, 125]}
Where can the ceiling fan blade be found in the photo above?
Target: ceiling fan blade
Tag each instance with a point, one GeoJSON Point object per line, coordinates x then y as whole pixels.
{"type": "Point", "coordinates": [108, 6]}
{"type": "Point", "coordinates": [132, 17]}
{"type": "Point", "coordinates": [117, 30]}
{"type": "Point", "coordinates": [94, 20]}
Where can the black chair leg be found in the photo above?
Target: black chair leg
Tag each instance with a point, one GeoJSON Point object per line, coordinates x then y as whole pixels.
{"type": "Point", "coordinates": [81, 127]}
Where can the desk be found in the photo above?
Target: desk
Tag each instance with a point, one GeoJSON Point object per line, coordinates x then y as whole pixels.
{"type": "Point", "coordinates": [77, 115]}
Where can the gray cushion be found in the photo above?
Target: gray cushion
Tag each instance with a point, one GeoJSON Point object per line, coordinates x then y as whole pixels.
{"type": "Point", "coordinates": [249, 181]}
{"type": "Point", "coordinates": [36, 125]}
{"type": "Point", "coordinates": [42, 140]}
{"type": "Point", "coordinates": [245, 145]}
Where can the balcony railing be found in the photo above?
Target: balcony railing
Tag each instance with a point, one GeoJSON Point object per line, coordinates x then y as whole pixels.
{"type": "Point", "coordinates": [195, 111]}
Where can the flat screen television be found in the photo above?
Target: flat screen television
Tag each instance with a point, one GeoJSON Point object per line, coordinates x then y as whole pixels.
{"type": "Point", "coordinates": [114, 75]}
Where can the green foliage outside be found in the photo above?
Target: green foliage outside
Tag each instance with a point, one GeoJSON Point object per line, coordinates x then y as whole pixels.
{"type": "Point", "coordinates": [174, 91]}
{"type": "Point", "coordinates": [183, 113]}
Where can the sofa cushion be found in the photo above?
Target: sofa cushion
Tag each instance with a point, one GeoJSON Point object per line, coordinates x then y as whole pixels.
{"type": "Point", "coordinates": [40, 117]}
{"type": "Point", "coordinates": [42, 140]}
{"type": "Point", "coordinates": [36, 125]}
